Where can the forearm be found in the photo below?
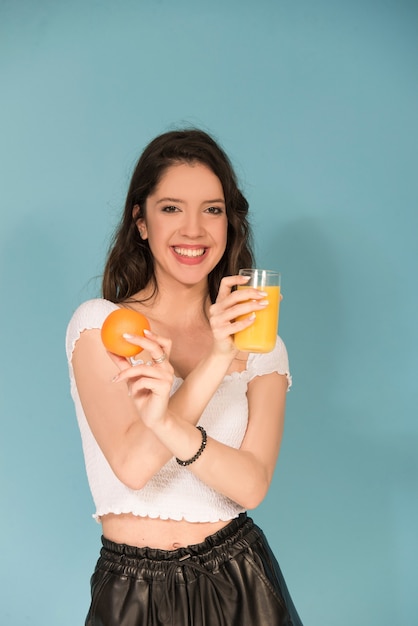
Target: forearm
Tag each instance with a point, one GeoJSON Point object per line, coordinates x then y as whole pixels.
{"type": "Point", "coordinates": [143, 453]}
{"type": "Point", "coordinates": [196, 391]}
{"type": "Point", "coordinates": [236, 473]}
{"type": "Point", "coordinates": [138, 456]}
{"type": "Point", "coordinates": [243, 474]}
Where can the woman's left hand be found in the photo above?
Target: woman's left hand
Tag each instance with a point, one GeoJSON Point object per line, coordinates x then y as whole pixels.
{"type": "Point", "coordinates": [229, 306]}
{"type": "Point", "coordinates": [149, 384]}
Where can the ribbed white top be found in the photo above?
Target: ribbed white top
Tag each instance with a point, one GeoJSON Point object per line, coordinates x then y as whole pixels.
{"type": "Point", "coordinates": [173, 492]}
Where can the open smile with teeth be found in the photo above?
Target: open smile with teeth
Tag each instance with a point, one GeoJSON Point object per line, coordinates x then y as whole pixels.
{"type": "Point", "coordinates": [188, 252]}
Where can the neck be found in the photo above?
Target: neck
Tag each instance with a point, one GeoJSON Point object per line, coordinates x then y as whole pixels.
{"type": "Point", "coordinates": [189, 303]}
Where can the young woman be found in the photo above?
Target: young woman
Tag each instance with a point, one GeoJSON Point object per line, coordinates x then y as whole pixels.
{"type": "Point", "coordinates": [180, 443]}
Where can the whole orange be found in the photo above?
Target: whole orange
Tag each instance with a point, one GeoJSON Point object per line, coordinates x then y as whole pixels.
{"type": "Point", "coordinates": [117, 324]}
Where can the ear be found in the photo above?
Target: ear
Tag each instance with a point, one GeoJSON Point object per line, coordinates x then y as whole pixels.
{"type": "Point", "coordinates": [139, 221]}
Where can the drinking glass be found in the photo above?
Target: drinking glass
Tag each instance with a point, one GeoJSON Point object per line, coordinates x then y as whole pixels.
{"type": "Point", "coordinates": [261, 335]}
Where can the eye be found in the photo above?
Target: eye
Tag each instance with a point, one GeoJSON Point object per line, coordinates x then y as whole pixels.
{"type": "Point", "coordinates": [214, 210]}
{"type": "Point", "coordinates": [170, 209]}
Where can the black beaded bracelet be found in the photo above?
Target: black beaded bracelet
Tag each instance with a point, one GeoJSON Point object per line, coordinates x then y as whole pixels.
{"type": "Point", "coordinates": [199, 452]}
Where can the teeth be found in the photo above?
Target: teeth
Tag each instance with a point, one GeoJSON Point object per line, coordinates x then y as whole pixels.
{"type": "Point", "coordinates": [189, 252]}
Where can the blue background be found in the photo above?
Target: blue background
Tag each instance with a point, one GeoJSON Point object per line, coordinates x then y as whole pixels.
{"type": "Point", "coordinates": [316, 103]}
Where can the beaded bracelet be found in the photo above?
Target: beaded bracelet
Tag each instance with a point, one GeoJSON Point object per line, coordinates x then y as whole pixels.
{"type": "Point", "coordinates": [199, 452]}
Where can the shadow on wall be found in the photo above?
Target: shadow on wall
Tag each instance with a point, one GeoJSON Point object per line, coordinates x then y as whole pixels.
{"type": "Point", "coordinates": [42, 446]}
{"type": "Point", "coordinates": [34, 279]}
{"type": "Point", "coordinates": [312, 315]}
{"type": "Point", "coordinates": [339, 488]}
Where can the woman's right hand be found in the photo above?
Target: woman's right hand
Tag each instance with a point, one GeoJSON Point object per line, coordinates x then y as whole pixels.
{"type": "Point", "coordinates": [148, 384]}
{"type": "Point", "coordinates": [229, 305]}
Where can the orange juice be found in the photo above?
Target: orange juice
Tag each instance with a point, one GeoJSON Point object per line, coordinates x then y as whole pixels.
{"type": "Point", "coordinates": [261, 335]}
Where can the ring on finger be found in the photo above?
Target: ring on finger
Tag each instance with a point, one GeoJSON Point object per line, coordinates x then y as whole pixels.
{"type": "Point", "coordinates": [160, 359]}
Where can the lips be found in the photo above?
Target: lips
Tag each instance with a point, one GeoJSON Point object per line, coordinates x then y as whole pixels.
{"type": "Point", "coordinates": [189, 255]}
{"type": "Point", "coordinates": [189, 252]}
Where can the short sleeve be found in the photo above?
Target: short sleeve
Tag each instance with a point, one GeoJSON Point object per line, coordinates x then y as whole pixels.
{"type": "Point", "coordinates": [275, 361]}
{"type": "Point", "coordinates": [89, 315]}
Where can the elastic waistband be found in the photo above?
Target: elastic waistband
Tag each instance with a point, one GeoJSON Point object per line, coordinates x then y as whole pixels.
{"type": "Point", "coordinates": [222, 546]}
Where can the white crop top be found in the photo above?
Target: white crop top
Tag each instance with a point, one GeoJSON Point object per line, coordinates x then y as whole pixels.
{"type": "Point", "coordinates": [173, 492]}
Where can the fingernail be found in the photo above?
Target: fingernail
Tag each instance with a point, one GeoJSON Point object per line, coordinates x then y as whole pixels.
{"type": "Point", "coordinates": [263, 302]}
{"type": "Point", "coordinates": [147, 332]}
{"type": "Point", "coordinates": [263, 293]}
{"type": "Point", "coordinates": [128, 336]}
{"type": "Point", "coordinates": [252, 316]}
{"type": "Point", "coordinates": [136, 361]}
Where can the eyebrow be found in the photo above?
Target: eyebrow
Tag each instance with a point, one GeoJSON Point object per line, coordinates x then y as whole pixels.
{"type": "Point", "coordinates": [178, 200]}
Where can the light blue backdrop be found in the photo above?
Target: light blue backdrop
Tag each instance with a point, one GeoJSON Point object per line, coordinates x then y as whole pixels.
{"type": "Point", "coordinates": [316, 102]}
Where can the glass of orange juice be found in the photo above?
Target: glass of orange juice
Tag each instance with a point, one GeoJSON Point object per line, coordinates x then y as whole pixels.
{"type": "Point", "coordinates": [261, 335]}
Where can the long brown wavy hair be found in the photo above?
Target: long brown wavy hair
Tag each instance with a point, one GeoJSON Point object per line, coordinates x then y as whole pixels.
{"type": "Point", "coordinates": [130, 266]}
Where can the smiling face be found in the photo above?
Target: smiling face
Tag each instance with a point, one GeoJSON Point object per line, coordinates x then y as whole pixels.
{"type": "Point", "coordinates": [185, 223]}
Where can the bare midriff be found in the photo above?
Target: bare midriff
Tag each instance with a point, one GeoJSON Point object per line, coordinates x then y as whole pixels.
{"type": "Point", "coordinates": [156, 533]}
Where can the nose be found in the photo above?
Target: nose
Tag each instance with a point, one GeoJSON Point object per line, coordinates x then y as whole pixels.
{"type": "Point", "coordinates": [192, 226]}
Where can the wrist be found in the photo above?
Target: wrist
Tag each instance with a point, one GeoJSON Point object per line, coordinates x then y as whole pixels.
{"type": "Point", "coordinates": [186, 463]}
{"type": "Point", "coordinates": [184, 440]}
{"type": "Point", "coordinates": [223, 355]}
{"type": "Point", "coordinates": [164, 427]}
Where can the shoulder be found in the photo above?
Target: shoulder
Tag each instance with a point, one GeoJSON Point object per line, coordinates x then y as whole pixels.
{"type": "Point", "coordinates": [275, 361]}
{"type": "Point", "coordinates": [91, 314]}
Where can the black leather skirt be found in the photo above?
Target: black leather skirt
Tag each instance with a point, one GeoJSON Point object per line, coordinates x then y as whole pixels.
{"type": "Point", "coordinates": [230, 579]}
